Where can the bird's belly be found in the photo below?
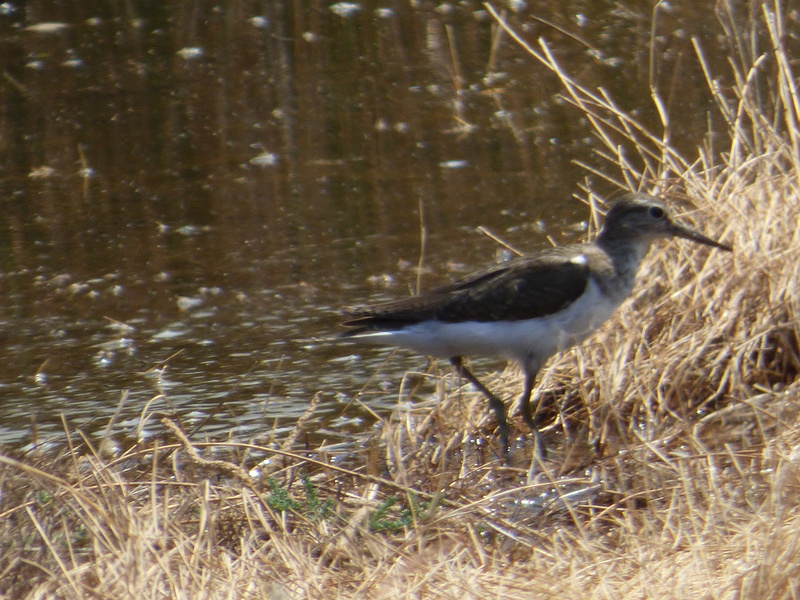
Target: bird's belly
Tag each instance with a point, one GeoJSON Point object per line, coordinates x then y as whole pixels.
{"type": "Point", "coordinates": [523, 340]}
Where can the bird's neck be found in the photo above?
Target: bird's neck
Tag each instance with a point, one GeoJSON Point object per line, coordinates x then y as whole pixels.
{"type": "Point", "coordinates": [626, 253]}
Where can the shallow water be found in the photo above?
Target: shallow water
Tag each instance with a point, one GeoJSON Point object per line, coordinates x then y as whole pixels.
{"type": "Point", "coordinates": [191, 192]}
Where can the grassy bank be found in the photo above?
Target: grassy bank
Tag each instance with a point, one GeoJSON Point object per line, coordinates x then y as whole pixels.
{"type": "Point", "coordinates": [675, 462]}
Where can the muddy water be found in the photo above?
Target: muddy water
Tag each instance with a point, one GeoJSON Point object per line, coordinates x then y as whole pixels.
{"type": "Point", "coordinates": [191, 191]}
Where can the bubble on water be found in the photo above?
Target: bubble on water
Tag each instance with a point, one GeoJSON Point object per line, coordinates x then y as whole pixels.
{"type": "Point", "coordinates": [345, 9]}
{"type": "Point", "coordinates": [190, 52]}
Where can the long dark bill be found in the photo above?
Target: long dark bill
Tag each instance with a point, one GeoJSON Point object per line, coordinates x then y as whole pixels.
{"type": "Point", "coordinates": [691, 234]}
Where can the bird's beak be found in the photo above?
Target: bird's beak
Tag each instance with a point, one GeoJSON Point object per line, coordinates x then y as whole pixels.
{"type": "Point", "coordinates": [690, 234]}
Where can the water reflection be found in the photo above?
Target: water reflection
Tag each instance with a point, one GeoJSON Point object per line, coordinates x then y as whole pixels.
{"type": "Point", "coordinates": [190, 191]}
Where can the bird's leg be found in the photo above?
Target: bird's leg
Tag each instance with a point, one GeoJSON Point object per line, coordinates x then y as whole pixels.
{"type": "Point", "coordinates": [494, 402]}
{"type": "Point", "coordinates": [524, 402]}
{"type": "Point", "coordinates": [524, 405]}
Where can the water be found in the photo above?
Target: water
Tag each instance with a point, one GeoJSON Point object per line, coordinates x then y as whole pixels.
{"type": "Point", "coordinates": [191, 192]}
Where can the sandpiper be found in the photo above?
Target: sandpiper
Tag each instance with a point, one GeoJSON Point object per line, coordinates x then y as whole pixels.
{"type": "Point", "coordinates": [531, 307]}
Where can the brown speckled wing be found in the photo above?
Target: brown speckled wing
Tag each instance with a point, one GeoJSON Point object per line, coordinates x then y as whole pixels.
{"type": "Point", "coordinates": [524, 288]}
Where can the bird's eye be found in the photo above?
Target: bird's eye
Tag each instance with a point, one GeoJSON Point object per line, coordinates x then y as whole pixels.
{"type": "Point", "coordinates": [656, 212]}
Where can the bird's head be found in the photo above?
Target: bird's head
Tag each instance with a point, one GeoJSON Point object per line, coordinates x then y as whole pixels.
{"type": "Point", "coordinates": [638, 217]}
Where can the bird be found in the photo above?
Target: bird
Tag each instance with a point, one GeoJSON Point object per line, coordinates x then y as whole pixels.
{"type": "Point", "coordinates": [529, 308]}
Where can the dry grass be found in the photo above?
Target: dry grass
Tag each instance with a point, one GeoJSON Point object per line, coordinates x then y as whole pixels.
{"type": "Point", "coordinates": [676, 462]}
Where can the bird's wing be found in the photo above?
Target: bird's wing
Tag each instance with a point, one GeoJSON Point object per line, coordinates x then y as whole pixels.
{"type": "Point", "coordinates": [524, 288]}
